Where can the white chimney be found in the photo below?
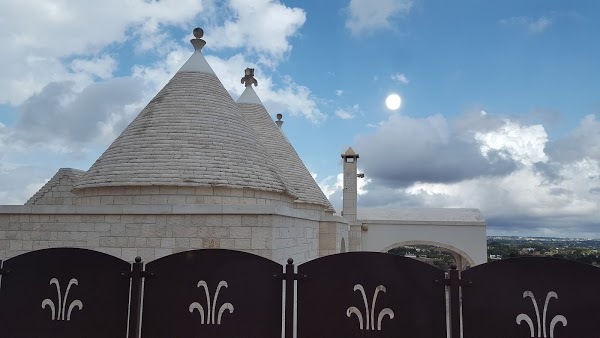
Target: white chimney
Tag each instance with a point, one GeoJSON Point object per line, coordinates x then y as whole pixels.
{"type": "Point", "coordinates": [350, 185]}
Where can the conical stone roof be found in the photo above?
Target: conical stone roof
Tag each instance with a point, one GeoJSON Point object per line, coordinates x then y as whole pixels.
{"type": "Point", "coordinates": [283, 154]}
{"type": "Point", "coordinates": [192, 133]}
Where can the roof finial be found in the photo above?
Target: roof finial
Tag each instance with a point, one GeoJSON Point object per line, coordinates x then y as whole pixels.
{"type": "Point", "coordinates": [248, 78]}
{"type": "Point", "coordinates": [198, 43]}
{"type": "Point", "coordinates": [279, 122]}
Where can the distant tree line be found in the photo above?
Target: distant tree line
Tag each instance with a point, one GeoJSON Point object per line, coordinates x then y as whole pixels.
{"type": "Point", "coordinates": [509, 249]}
{"type": "Point", "coordinates": [435, 256]}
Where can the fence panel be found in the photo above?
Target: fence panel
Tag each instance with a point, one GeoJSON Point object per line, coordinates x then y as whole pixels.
{"type": "Point", "coordinates": [367, 294]}
{"type": "Point", "coordinates": [64, 292]}
{"type": "Point", "coordinates": [531, 297]}
{"type": "Point", "coordinates": [212, 293]}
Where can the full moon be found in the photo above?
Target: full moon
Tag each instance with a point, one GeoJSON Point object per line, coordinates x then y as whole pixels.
{"type": "Point", "coordinates": [393, 101]}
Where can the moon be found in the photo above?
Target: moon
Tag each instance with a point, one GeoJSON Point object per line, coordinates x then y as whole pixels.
{"type": "Point", "coordinates": [393, 101]}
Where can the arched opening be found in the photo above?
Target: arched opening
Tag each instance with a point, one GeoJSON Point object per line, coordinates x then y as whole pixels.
{"type": "Point", "coordinates": [433, 255]}
{"type": "Point", "coordinates": [343, 246]}
{"type": "Point", "coordinates": [437, 254]}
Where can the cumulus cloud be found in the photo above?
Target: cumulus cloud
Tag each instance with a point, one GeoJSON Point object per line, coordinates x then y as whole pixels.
{"type": "Point", "coordinates": [339, 92]}
{"type": "Point", "coordinates": [16, 184]}
{"type": "Point", "coordinates": [269, 36]}
{"type": "Point", "coordinates": [524, 144]}
{"type": "Point", "coordinates": [61, 116]}
{"type": "Point", "coordinates": [332, 186]}
{"type": "Point", "coordinates": [531, 25]}
{"type": "Point", "coordinates": [583, 142]}
{"type": "Point", "coordinates": [403, 150]}
{"type": "Point", "coordinates": [368, 16]}
{"type": "Point", "coordinates": [545, 187]}
{"type": "Point", "coordinates": [38, 36]}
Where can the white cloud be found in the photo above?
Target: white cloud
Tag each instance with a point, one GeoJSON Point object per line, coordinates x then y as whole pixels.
{"type": "Point", "coordinates": [332, 184]}
{"type": "Point", "coordinates": [344, 115]}
{"type": "Point", "coordinates": [16, 183]}
{"type": "Point", "coordinates": [555, 185]}
{"type": "Point", "coordinates": [38, 36]}
{"type": "Point", "coordinates": [583, 142]}
{"type": "Point", "coordinates": [531, 25]}
{"type": "Point", "coordinates": [339, 92]}
{"type": "Point", "coordinates": [261, 26]}
{"type": "Point", "coordinates": [400, 78]}
{"type": "Point", "coordinates": [368, 16]}
{"type": "Point", "coordinates": [524, 144]}
{"type": "Point", "coordinates": [101, 67]}
{"type": "Point", "coordinates": [402, 150]}
{"type": "Point", "coordinates": [539, 25]}
{"type": "Point", "coordinates": [347, 113]}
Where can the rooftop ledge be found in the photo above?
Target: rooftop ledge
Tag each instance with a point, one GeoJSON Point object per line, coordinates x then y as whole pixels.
{"type": "Point", "coordinates": [147, 209]}
{"type": "Point", "coordinates": [408, 222]}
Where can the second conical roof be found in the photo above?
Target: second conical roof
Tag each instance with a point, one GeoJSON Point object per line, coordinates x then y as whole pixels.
{"type": "Point", "coordinates": [283, 154]}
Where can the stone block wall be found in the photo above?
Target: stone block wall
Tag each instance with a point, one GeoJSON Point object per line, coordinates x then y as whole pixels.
{"type": "Point", "coordinates": [354, 234]}
{"type": "Point", "coordinates": [156, 231]}
{"type": "Point", "coordinates": [331, 233]}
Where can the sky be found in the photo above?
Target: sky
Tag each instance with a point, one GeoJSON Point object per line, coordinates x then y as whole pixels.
{"type": "Point", "coordinates": [500, 99]}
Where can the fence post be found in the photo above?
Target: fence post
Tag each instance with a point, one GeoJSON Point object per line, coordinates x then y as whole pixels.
{"type": "Point", "coordinates": [290, 277]}
{"type": "Point", "coordinates": [135, 305]}
{"type": "Point", "coordinates": [454, 283]}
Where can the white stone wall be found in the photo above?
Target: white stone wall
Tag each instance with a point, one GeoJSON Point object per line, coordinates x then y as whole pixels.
{"type": "Point", "coordinates": [331, 232]}
{"type": "Point", "coordinates": [355, 233]}
{"type": "Point", "coordinates": [295, 238]}
{"type": "Point", "coordinates": [154, 231]}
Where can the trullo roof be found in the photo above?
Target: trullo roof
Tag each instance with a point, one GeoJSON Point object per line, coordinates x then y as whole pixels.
{"type": "Point", "coordinates": [192, 133]}
{"type": "Point", "coordinates": [285, 157]}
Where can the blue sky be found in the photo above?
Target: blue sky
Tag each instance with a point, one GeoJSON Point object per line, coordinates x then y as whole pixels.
{"type": "Point", "coordinates": [501, 100]}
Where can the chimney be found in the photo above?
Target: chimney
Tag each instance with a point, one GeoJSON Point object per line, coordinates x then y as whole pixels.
{"type": "Point", "coordinates": [350, 185]}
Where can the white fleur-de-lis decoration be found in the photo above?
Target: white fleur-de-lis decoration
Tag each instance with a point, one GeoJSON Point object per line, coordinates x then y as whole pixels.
{"type": "Point", "coordinates": [541, 325]}
{"type": "Point", "coordinates": [210, 311]}
{"type": "Point", "coordinates": [58, 312]}
{"type": "Point", "coordinates": [369, 316]}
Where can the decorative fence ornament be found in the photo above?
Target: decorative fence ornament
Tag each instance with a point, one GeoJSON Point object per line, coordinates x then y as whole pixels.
{"type": "Point", "coordinates": [210, 315]}
{"type": "Point", "coordinates": [369, 319]}
{"type": "Point", "coordinates": [62, 303]}
{"type": "Point", "coordinates": [541, 327]}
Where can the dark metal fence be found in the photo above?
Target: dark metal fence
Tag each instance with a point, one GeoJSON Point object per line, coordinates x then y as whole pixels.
{"type": "Point", "coordinates": [212, 293]}
{"type": "Point", "coordinates": [367, 294]}
{"type": "Point", "coordinates": [70, 292]}
{"type": "Point", "coordinates": [531, 297]}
